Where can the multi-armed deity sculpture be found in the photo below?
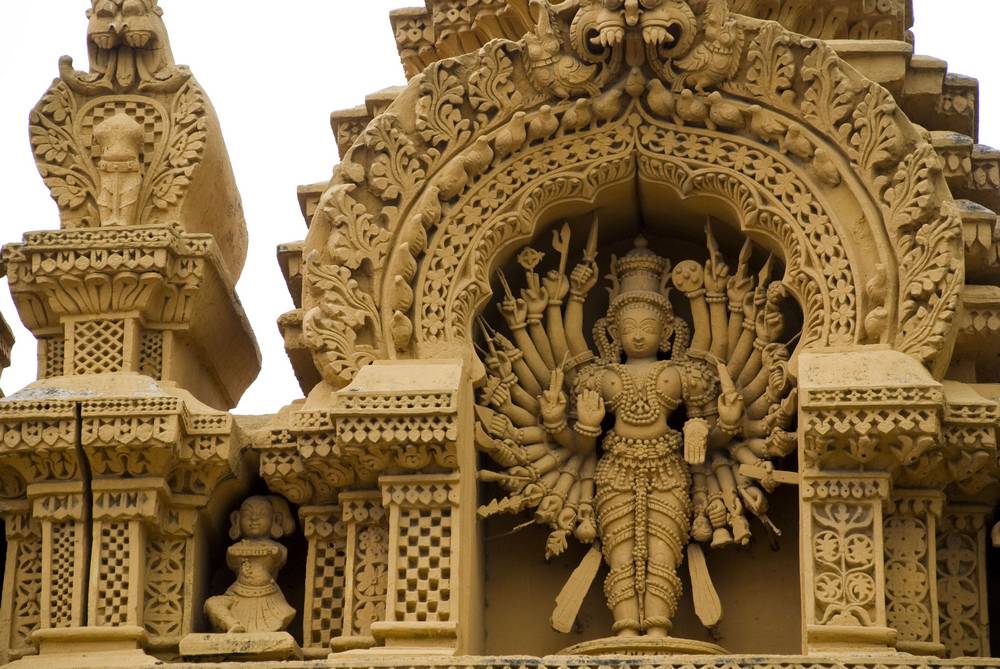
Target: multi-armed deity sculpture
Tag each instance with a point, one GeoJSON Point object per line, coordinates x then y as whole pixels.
{"type": "Point", "coordinates": [640, 489]}
{"type": "Point", "coordinates": [470, 397]}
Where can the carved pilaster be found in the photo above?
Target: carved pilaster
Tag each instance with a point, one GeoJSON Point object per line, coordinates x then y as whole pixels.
{"type": "Point", "coordinates": [124, 509]}
{"type": "Point", "coordinates": [61, 511]}
{"type": "Point", "coordinates": [171, 588]}
{"type": "Point", "coordinates": [843, 572]}
{"type": "Point", "coordinates": [961, 580]}
{"type": "Point", "coordinates": [22, 581]}
{"type": "Point", "coordinates": [324, 602]}
{"type": "Point", "coordinates": [910, 532]}
{"type": "Point", "coordinates": [424, 561]}
{"type": "Point", "coordinates": [366, 567]}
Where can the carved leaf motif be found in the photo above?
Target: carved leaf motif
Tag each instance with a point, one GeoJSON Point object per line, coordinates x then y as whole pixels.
{"type": "Point", "coordinates": [772, 66]}
{"type": "Point", "coordinates": [355, 236]}
{"type": "Point", "coordinates": [69, 191]}
{"type": "Point", "coordinates": [830, 97]}
{"type": "Point", "coordinates": [876, 138]}
{"type": "Point", "coordinates": [396, 169]}
{"type": "Point", "coordinates": [491, 85]}
{"type": "Point", "coordinates": [909, 194]}
{"type": "Point", "coordinates": [331, 329]}
{"type": "Point", "coordinates": [69, 178]}
{"type": "Point", "coordinates": [926, 253]}
{"type": "Point", "coordinates": [439, 109]}
{"type": "Point", "coordinates": [185, 148]}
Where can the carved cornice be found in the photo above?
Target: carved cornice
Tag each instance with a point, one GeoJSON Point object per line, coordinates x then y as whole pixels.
{"type": "Point", "coordinates": [158, 435]}
{"type": "Point", "coordinates": [816, 661]}
{"type": "Point", "coordinates": [155, 271]}
{"type": "Point", "coordinates": [165, 278]}
{"type": "Point", "coordinates": [394, 417]}
{"type": "Point", "coordinates": [852, 415]}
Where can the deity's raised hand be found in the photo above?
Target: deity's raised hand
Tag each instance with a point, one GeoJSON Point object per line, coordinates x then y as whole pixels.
{"type": "Point", "coordinates": [536, 298]}
{"type": "Point", "coordinates": [590, 408]}
{"type": "Point", "coordinates": [583, 279]}
{"type": "Point", "coordinates": [695, 441]}
{"type": "Point", "coordinates": [731, 403]}
{"type": "Point", "coordinates": [514, 311]}
{"type": "Point", "coordinates": [552, 402]}
{"type": "Point", "coordinates": [556, 285]}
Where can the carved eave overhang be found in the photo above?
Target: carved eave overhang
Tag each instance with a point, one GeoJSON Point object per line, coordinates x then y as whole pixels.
{"type": "Point", "coordinates": [168, 279]}
{"type": "Point", "coordinates": [874, 409]}
{"type": "Point", "coordinates": [969, 463]}
{"type": "Point", "coordinates": [979, 327]}
{"type": "Point", "coordinates": [389, 420]}
{"type": "Point", "coordinates": [982, 242]}
{"type": "Point", "coordinates": [348, 124]}
{"type": "Point", "coordinates": [290, 263]}
{"type": "Point", "coordinates": [299, 355]}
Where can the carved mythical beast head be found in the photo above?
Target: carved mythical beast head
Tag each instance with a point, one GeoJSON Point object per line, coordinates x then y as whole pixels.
{"type": "Point", "coordinates": [128, 48]}
{"type": "Point", "coordinates": [661, 23]}
{"type": "Point", "coordinates": [135, 23]}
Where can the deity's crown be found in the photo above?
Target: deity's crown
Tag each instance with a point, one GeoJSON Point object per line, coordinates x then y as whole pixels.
{"type": "Point", "coordinates": [641, 276]}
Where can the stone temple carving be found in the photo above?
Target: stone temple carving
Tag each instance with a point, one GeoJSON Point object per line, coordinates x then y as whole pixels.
{"type": "Point", "coordinates": [254, 603]}
{"type": "Point", "coordinates": [654, 486]}
{"type": "Point", "coordinates": [695, 299]}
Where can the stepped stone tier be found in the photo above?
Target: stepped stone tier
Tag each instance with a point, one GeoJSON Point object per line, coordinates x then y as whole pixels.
{"type": "Point", "coordinates": [695, 299]}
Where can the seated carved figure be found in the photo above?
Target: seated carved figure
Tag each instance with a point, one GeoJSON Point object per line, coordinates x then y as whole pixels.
{"type": "Point", "coordinates": [254, 603]}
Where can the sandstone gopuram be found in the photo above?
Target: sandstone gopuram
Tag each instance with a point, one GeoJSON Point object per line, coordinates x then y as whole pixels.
{"type": "Point", "coordinates": [631, 333]}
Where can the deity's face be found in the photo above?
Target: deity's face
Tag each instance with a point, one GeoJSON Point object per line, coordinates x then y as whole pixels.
{"type": "Point", "coordinates": [256, 518]}
{"type": "Point", "coordinates": [640, 329]}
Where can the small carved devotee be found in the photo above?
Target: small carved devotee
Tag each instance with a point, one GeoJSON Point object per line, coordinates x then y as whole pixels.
{"type": "Point", "coordinates": [254, 603]}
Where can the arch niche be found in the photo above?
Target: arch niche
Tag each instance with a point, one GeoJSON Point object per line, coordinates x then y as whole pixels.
{"type": "Point", "coordinates": [472, 159]}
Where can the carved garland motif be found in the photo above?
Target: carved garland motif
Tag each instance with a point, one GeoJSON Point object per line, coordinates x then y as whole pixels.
{"type": "Point", "coordinates": [415, 183]}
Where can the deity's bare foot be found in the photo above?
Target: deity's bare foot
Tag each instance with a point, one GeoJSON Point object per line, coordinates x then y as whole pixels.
{"type": "Point", "coordinates": [657, 632]}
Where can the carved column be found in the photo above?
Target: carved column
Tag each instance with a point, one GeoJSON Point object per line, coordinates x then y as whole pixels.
{"type": "Point", "coordinates": [22, 582]}
{"type": "Point", "coordinates": [367, 563]}
{"type": "Point", "coordinates": [424, 561]}
{"type": "Point", "coordinates": [843, 572]}
{"type": "Point", "coordinates": [123, 513]}
{"type": "Point", "coordinates": [910, 533]}
{"type": "Point", "coordinates": [863, 416]}
{"type": "Point", "coordinates": [961, 580]}
{"type": "Point", "coordinates": [324, 601]}
{"type": "Point", "coordinates": [62, 512]}
{"type": "Point", "coordinates": [172, 593]}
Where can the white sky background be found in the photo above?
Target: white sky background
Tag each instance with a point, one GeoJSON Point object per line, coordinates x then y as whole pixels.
{"type": "Point", "coordinates": [274, 71]}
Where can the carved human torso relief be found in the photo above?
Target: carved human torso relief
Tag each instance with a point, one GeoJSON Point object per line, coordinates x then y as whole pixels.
{"type": "Point", "coordinates": [588, 442]}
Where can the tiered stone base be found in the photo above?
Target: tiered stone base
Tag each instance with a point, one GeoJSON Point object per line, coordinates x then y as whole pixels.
{"type": "Point", "coordinates": [598, 662]}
